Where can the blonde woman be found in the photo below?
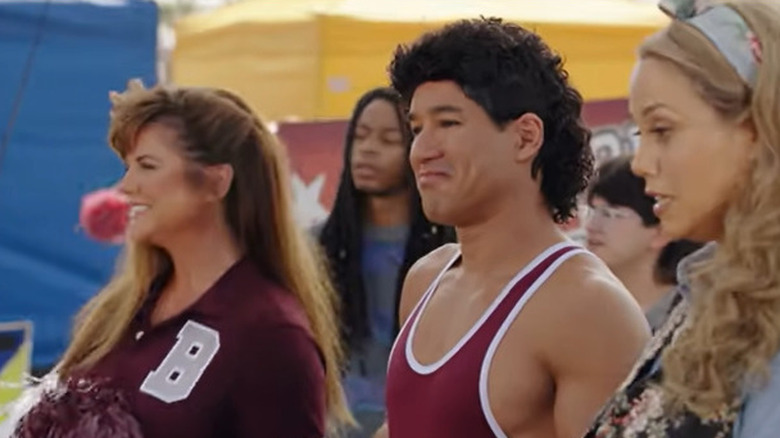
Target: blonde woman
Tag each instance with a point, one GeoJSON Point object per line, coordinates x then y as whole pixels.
{"type": "Point", "coordinates": [706, 98]}
{"type": "Point", "coordinates": [220, 320]}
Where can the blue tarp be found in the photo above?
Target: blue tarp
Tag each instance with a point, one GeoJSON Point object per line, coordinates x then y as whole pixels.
{"type": "Point", "coordinates": [58, 152]}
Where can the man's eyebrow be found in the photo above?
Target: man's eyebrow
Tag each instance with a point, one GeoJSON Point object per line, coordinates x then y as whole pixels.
{"type": "Point", "coordinates": [438, 110]}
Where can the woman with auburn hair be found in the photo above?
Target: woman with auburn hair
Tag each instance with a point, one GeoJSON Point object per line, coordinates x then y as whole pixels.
{"type": "Point", "coordinates": [706, 98]}
{"type": "Point", "coordinates": [220, 321]}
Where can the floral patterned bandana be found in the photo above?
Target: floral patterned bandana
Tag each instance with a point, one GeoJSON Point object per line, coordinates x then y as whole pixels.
{"type": "Point", "coordinates": [726, 29]}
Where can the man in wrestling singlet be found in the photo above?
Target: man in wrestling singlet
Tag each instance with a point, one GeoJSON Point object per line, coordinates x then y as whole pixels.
{"type": "Point", "coordinates": [516, 332]}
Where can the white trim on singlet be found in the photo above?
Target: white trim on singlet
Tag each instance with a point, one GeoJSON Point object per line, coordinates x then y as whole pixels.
{"type": "Point", "coordinates": [429, 369]}
{"type": "Point", "coordinates": [423, 299]}
{"type": "Point", "coordinates": [488, 360]}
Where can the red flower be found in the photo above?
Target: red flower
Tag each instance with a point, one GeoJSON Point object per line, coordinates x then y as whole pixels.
{"type": "Point", "coordinates": [755, 47]}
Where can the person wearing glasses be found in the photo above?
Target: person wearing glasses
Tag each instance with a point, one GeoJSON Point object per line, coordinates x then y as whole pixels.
{"type": "Point", "coordinates": [623, 231]}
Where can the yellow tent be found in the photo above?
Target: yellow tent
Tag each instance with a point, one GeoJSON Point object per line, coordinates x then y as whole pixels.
{"type": "Point", "coordinates": [312, 59]}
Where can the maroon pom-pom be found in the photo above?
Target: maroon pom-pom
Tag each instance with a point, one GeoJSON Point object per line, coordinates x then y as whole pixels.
{"type": "Point", "coordinates": [103, 215]}
{"type": "Point", "coordinates": [80, 409]}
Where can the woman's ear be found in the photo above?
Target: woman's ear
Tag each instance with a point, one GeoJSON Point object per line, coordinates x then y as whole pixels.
{"type": "Point", "coordinates": [219, 177]}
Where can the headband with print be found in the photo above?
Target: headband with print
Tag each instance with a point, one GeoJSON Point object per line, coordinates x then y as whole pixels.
{"type": "Point", "coordinates": [726, 29]}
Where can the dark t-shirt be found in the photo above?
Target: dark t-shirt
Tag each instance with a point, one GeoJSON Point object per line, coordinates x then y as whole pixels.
{"type": "Point", "coordinates": [240, 362]}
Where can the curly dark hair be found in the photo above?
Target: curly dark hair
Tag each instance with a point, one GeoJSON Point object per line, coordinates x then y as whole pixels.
{"type": "Point", "coordinates": [509, 71]}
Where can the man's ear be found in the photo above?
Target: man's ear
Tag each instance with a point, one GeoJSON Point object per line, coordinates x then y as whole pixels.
{"type": "Point", "coordinates": [219, 177]}
{"type": "Point", "coordinates": [528, 130]}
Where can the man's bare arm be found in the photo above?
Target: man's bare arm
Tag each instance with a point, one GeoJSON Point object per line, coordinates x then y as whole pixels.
{"type": "Point", "coordinates": [600, 334]}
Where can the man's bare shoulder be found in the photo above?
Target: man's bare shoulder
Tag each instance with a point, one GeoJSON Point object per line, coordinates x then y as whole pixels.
{"type": "Point", "coordinates": [421, 275]}
{"type": "Point", "coordinates": [592, 311]}
{"type": "Point", "coordinates": [578, 337]}
{"type": "Point", "coordinates": [584, 285]}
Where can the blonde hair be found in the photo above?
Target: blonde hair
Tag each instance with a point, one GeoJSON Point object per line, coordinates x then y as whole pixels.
{"type": "Point", "coordinates": [217, 127]}
{"type": "Point", "coordinates": [733, 330]}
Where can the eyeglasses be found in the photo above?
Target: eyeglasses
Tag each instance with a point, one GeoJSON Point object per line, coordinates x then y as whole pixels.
{"type": "Point", "coordinates": [608, 213]}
